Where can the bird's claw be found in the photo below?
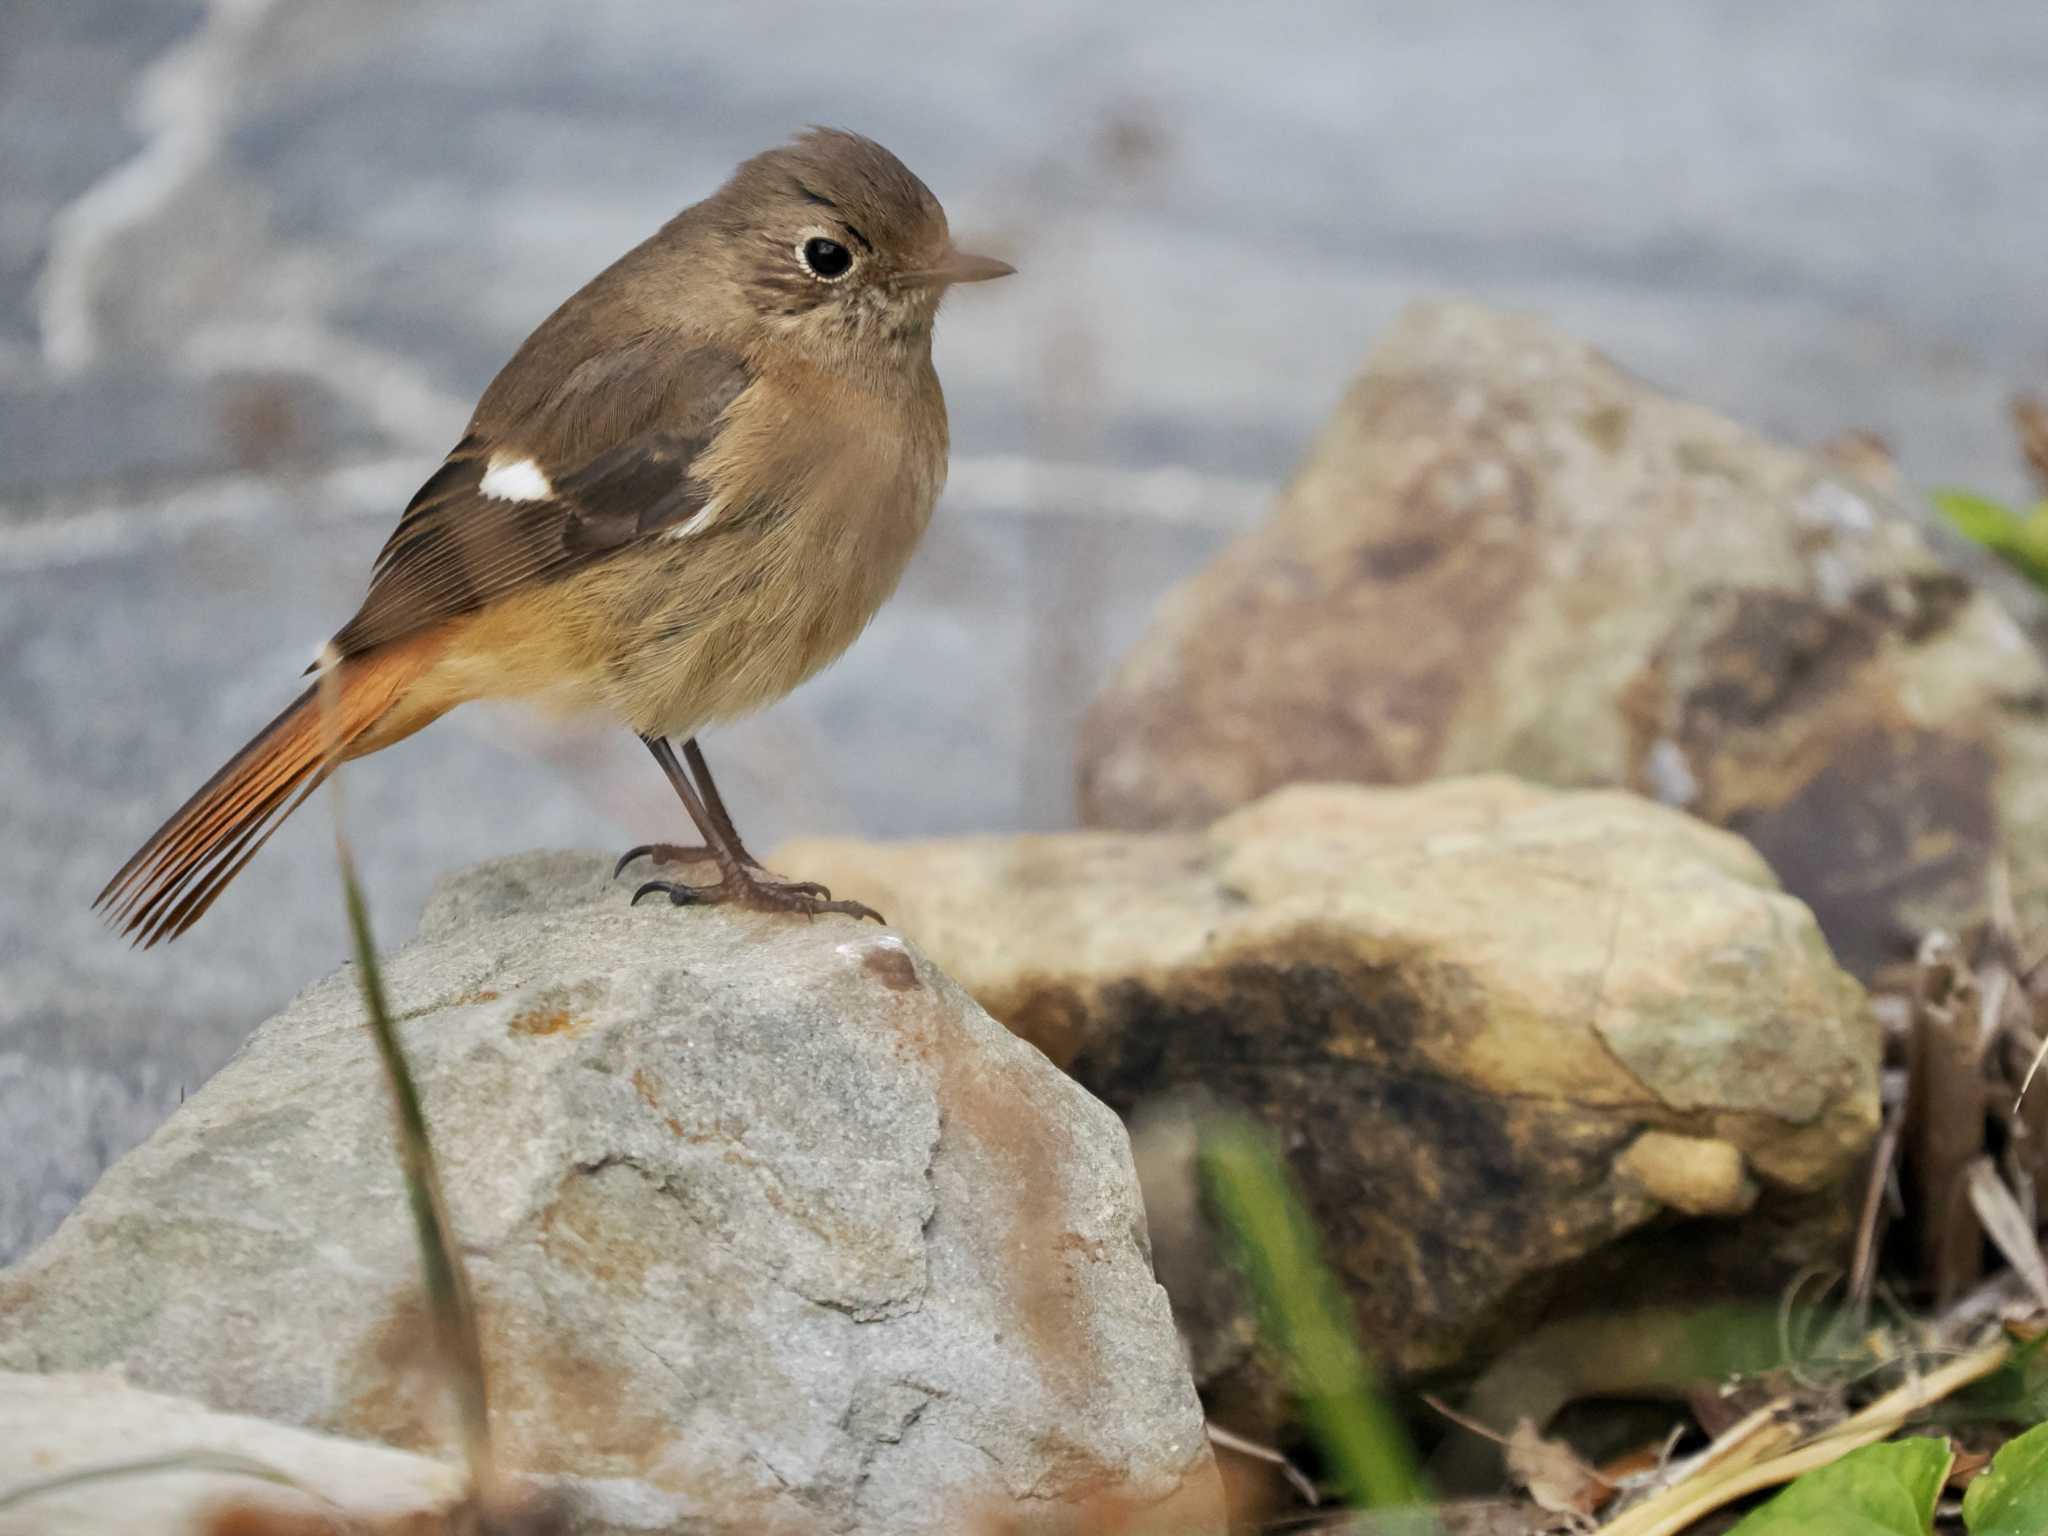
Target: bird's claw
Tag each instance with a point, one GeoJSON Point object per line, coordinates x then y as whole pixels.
{"type": "Point", "coordinates": [805, 896]}
{"type": "Point", "coordinates": [679, 895]}
{"type": "Point", "coordinates": [661, 853]}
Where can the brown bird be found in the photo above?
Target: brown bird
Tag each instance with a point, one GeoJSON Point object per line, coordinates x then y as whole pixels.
{"type": "Point", "coordinates": [689, 490]}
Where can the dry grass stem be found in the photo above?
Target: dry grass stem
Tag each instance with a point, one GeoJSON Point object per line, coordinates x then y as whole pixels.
{"type": "Point", "coordinates": [1297, 1479]}
{"type": "Point", "coordinates": [1863, 1265]}
{"type": "Point", "coordinates": [2008, 1226]}
{"type": "Point", "coordinates": [1945, 1117]}
{"type": "Point", "coordinates": [1678, 1507]}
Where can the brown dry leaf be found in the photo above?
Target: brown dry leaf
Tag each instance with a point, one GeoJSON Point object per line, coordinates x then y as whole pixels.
{"type": "Point", "coordinates": [1647, 1457]}
{"type": "Point", "coordinates": [2008, 1227]}
{"type": "Point", "coordinates": [1555, 1477]}
{"type": "Point", "coordinates": [1967, 1464]}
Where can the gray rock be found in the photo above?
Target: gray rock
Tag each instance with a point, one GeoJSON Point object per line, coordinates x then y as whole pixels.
{"type": "Point", "coordinates": [768, 1216]}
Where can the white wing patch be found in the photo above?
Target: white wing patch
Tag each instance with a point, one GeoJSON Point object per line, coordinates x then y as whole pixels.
{"type": "Point", "coordinates": [697, 521]}
{"type": "Point", "coordinates": [515, 480]}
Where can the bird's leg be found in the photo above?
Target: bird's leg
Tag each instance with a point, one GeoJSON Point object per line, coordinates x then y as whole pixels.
{"type": "Point", "coordinates": [715, 803]}
{"type": "Point", "coordinates": [673, 853]}
{"type": "Point", "coordinates": [740, 883]}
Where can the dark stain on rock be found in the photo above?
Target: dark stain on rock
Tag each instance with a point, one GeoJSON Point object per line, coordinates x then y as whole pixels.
{"type": "Point", "coordinates": [1798, 740]}
{"type": "Point", "coordinates": [1299, 1002]}
{"type": "Point", "coordinates": [1398, 557]}
{"type": "Point", "coordinates": [1767, 654]}
{"type": "Point", "coordinates": [1607, 427]}
{"type": "Point", "coordinates": [1436, 1197]}
{"type": "Point", "coordinates": [1897, 823]}
{"type": "Point", "coordinates": [1919, 605]}
{"type": "Point", "coordinates": [892, 967]}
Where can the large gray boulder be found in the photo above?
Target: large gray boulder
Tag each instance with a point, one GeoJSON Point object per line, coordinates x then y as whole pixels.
{"type": "Point", "coordinates": [1505, 553]}
{"type": "Point", "coordinates": [764, 1215]}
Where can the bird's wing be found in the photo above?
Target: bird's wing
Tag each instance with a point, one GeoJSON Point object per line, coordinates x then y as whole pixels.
{"type": "Point", "coordinates": [606, 459]}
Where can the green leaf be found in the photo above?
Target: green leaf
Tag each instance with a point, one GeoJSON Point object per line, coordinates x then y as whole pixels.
{"type": "Point", "coordinates": [1991, 523]}
{"type": "Point", "coordinates": [2015, 1393]}
{"type": "Point", "coordinates": [1881, 1490]}
{"type": "Point", "coordinates": [2029, 547]}
{"type": "Point", "coordinates": [2010, 1498]}
{"type": "Point", "coordinates": [2020, 538]}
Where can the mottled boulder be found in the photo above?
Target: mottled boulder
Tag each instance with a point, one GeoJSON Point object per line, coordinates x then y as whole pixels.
{"type": "Point", "coordinates": [1509, 1036]}
{"type": "Point", "coordinates": [763, 1215]}
{"type": "Point", "coordinates": [1505, 553]}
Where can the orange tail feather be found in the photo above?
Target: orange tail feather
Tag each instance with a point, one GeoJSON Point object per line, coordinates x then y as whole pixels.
{"type": "Point", "coordinates": [175, 876]}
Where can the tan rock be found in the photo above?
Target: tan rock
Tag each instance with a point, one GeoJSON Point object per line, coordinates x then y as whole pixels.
{"type": "Point", "coordinates": [1505, 553]}
{"type": "Point", "coordinates": [1695, 1175]}
{"type": "Point", "coordinates": [1462, 1006]}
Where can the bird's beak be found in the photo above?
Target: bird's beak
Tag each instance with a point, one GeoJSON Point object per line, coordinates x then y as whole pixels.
{"type": "Point", "coordinates": [956, 267]}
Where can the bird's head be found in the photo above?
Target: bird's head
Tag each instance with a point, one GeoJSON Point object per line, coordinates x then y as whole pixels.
{"type": "Point", "coordinates": [836, 248]}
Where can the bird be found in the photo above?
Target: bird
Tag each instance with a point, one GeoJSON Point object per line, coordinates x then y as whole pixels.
{"type": "Point", "coordinates": [688, 490]}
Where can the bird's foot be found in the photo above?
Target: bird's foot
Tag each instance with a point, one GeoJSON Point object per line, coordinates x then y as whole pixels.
{"type": "Point", "coordinates": [675, 853]}
{"type": "Point", "coordinates": [744, 888]}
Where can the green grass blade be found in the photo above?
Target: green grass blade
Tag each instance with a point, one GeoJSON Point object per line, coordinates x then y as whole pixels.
{"type": "Point", "coordinates": [449, 1302]}
{"type": "Point", "coordinates": [1306, 1321]}
{"type": "Point", "coordinates": [447, 1284]}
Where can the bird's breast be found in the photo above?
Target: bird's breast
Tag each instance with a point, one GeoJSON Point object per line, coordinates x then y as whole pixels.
{"type": "Point", "coordinates": [809, 536]}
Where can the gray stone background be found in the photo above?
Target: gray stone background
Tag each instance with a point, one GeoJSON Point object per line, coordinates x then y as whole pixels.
{"type": "Point", "coordinates": [257, 256]}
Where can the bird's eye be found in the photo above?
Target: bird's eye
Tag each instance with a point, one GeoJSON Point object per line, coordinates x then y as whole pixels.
{"type": "Point", "coordinates": [824, 258]}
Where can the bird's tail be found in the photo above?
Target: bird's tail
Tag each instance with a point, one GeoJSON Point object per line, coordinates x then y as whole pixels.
{"type": "Point", "coordinates": [175, 876]}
